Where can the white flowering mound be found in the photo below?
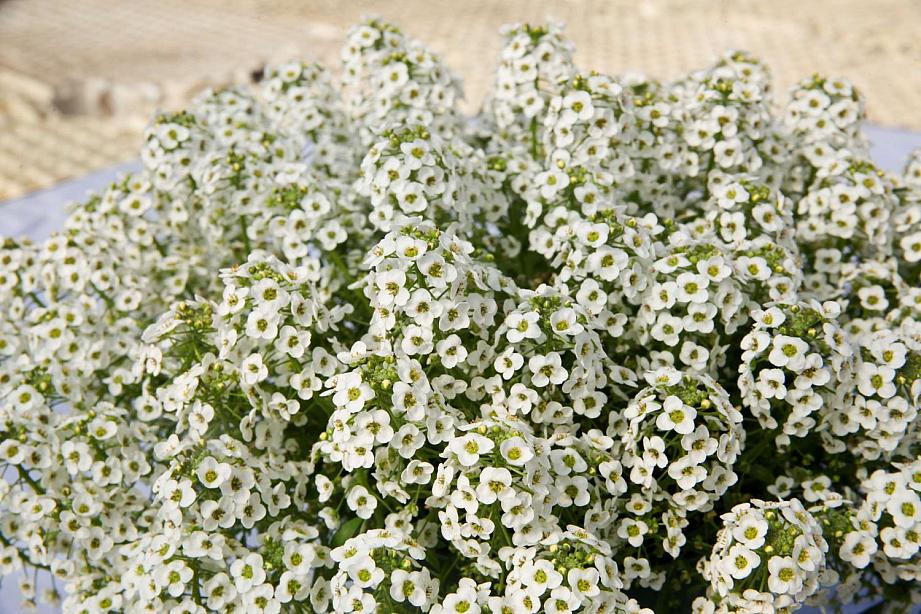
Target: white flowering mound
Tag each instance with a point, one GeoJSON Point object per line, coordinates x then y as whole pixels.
{"type": "Point", "coordinates": [611, 345]}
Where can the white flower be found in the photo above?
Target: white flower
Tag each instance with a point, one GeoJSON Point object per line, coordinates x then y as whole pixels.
{"type": "Point", "coordinates": [876, 379]}
{"type": "Point", "coordinates": [905, 509]}
{"type": "Point", "coordinates": [686, 472]}
{"type": "Point", "coordinates": [262, 323]}
{"type": "Point", "coordinates": [174, 577]}
{"type": "Point", "coordinates": [522, 326]}
{"type": "Point", "coordinates": [740, 562]}
{"type": "Point", "coordinates": [668, 329]}
{"type": "Point", "coordinates": [293, 342]}
{"type": "Point", "coordinates": [564, 322]}
{"type": "Point", "coordinates": [462, 601]}
{"type": "Point", "coordinates": [392, 289]}
{"type": "Point", "coordinates": [788, 352]}
{"type": "Point", "coordinates": [253, 370]}
{"type": "Point", "coordinates": [202, 544]}
{"type": "Point", "coordinates": [521, 399]}
{"type": "Point", "coordinates": [422, 308]}
{"type": "Point", "coordinates": [408, 586]}
{"type": "Point", "coordinates": [212, 473]}
{"type": "Point", "coordinates": [451, 351]}
{"type": "Point", "coordinates": [395, 76]}
{"type": "Point", "coordinates": [550, 182]}
{"type": "Point", "coordinates": [351, 392]}
{"type": "Point", "coordinates": [410, 196]}
{"type": "Point", "coordinates": [494, 484]}
{"type": "Point", "coordinates": [547, 370]}
{"type": "Point", "coordinates": [179, 492]}
{"type": "Point", "coordinates": [417, 340]}
{"type": "Point", "coordinates": [784, 576]}
{"type": "Point", "coordinates": [858, 548]}
{"type": "Point", "coordinates": [417, 472]}
{"type": "Point", "coordinates": [247, 572]}
{"type": "Point", "coordinates": [290, 586]}
{"type": "Point", "coordinates": [540, 576]}
{"type": "Point", "coordinates": [692, 288]}
{"type": "Point", "coordinates": [577, 106]}
{"type": "Point", "coordinates": [469, 447]}
{"type": "Point", "coordinates": [562, 600]}
{"type": "Point", "coordinates": [771, 384]}
{"type": "Point", "coordinates": [677, 416]}
{"type": "Point", "coordinates": [654, 451]}
{"type": "Point", "coordinates": [409, 439]}
{"type": "Point", "coordinates": [508, 363]}
{"type": "Point", "coordinates": [750, 531]}
{"type": "Point", "coordinates": [873, 298]}
{"type": "Point", "coordinates": [633, 531]}
{"type": "Point", "coordinates": [516, 452]}
{"type": "Point", "coordinates": [218, 591]}
{"type": "Point", "coordinates": [361, 501]}
{"type": "Point", "coordinates": [13, 452]}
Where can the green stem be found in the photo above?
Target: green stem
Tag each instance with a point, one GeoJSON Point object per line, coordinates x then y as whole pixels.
{"type": "Point", "coordinates": [37, 300]}
{"type": "Point", "coordinates": [28, 478]}
{"type": "Point", "coordinates": [534, 151]}
{"type": "Point", "coordinates": [24, 556]}
{"type": "Point", "coordinates": [246, 245]}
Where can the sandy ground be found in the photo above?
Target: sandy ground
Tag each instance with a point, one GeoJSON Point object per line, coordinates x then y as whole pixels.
{"type": "Point", "coordinates": [79, 80]}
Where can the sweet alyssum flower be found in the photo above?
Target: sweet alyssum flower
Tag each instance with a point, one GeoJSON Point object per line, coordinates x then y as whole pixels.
{"type": "Point", "coordinates": [339, 348]}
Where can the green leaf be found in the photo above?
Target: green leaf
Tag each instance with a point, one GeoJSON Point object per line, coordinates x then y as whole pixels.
{"type": "Point", "coordinates": [346, 531]}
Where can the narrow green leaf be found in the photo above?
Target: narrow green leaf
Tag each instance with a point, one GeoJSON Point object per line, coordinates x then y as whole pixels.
{"type": "Point", "coordinates": [346, 531]}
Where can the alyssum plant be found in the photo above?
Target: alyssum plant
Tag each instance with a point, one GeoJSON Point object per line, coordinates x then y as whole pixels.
{"type": "Point", "coordinates": [609, 346]}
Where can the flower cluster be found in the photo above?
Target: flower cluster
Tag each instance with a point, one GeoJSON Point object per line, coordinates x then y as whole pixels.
{"type": "Point", "coordinates": [389, 78]}
{"type": "Point", "coordinates": [534, 64]}
{"type": "Point", "coordinates": [339, 348]}
{"type": "Point", "coordinates": [767, 555]}
{"type": "Point", "coordinates": [795, 362]}
{"type": "Point", "coordinates": [887, 532]}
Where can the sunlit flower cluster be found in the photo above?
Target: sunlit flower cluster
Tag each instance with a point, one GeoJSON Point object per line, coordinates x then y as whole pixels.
{"type": "Point", "coordinates": [610, 345]}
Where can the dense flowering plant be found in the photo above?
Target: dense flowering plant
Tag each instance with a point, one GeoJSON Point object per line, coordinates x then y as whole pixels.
{"type": "Point", "coordinates": [611, 345]}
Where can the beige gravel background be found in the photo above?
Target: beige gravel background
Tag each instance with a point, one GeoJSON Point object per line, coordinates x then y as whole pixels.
{"type": "Point", "coordinates": [80, 78]}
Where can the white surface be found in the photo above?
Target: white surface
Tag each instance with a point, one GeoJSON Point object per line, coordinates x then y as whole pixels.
{"type": "Point", "coordinates": [889, 147]}
{"type": "Point", "coordinates": [39, 214]}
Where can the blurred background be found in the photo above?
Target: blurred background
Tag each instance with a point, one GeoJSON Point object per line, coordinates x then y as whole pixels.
{"type": "Point", "coordinates": [79, 80]}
